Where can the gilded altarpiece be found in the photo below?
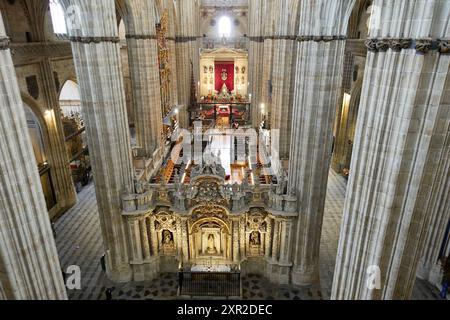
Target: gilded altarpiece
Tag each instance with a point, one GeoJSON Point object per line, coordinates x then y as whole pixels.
{"type": "Point", "coordinates": [207, 223]}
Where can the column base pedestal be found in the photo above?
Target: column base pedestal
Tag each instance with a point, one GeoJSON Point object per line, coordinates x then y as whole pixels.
{"type": "Point", "coordinates": [305, 277]}
{"type": "Point", "coordinates": [278, 273]}
{"type": "Point", "coordinates": [146, 271]}
{"type": "Point", "coordinates": [433, 275]}
{"type": "Point", "coordinates": [120, 275]}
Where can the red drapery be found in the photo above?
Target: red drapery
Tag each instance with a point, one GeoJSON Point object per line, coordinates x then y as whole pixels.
{"type": "Point", "coordinates": [229, 67]}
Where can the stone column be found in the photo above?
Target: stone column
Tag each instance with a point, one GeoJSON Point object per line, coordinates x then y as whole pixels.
{"type": "Point", "coordinates": [283, 73]}
{"type": "Point", "coordinates": [242, 239]}
{"type": "Point", "coordinates": [266, 94]}
{"type": "Point", "coordinates": [57, 153]}
{"type": "Point", "coordinates": [285, 247]}
{"type": "Point", "coordinates": [187, 44]}
{"type": "Point", "coordinates": [96, 54]}
{"type": "Point", "coordinates": [29, 265]}
{"type": "Point", "coordinates": [346, 129]}
{"type": "Point", "coordinates": [430, 265]}
{"type": "Point", "coordinates": [169, 6]}
{"type": "Point", "coordinates": [323, 25]}
{"type": "Point", "coordinates": [142, 46]}
{"type": "Point", "coordinates": [134, 231]}
{"type": "Point", "coordinates": [267, 245]}
{"type": "Point", "coordinates": [185, 241]}
{"type": "Point", "coordinates": [276, 239]}
{"type": "Point", "coordinates": [402, 137]}
{"type": "Point", "coordinates": [144, 239]}
{"type": "Point", "coordinates": [256, 54]}
{"type": "Point", "coordinates": [153, 236]}
{"type": "Point", "coordinates": [235, 241]}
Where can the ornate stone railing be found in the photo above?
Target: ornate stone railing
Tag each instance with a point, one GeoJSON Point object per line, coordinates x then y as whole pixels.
{"type": "Point", "coordinates": [214, 43]}
{"type": "Point", "coordinates": [239, 200]}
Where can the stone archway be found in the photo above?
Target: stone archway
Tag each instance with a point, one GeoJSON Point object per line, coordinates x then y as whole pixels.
{"type": "Point", "coordinates": [54, 148]}
{"type": "Point", "coordinates": [210, 235]}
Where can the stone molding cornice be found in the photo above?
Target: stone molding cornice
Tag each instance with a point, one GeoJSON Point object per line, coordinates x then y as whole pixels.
{"type": "Point", "coordinates": [89, 40]}
{"type": "Point", "coordinates": [4, 43]}
{"type": "Point", "coordinates": [321, 38]}
{"type": "Point", "coordinates": [444, 46]}
{"type": "Point", "coordinates": [256, 38]}
{"type": "Point", "coordinates": [27, 53]}
{"type": "Point", "coordinates": [141, 36]}
{"type": "Point", "coordinates": [186, 38]}
{"type": "Point", "coordinates": [281, 37]}
{"type": "Point", "coordinates": [297, 38]}
{"type": "Point", "coordinates": [422, 46]}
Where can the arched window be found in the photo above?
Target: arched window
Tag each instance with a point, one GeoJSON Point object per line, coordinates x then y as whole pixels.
{"type": "Point", "coordinates": [224, 27]}
{"type": "Point", "coordinates": [58, 18]}
{"type": "Point", "coordinates": [122, 31]}
{"type": "Point", "coordinates": [69, 99]}
{"type": "Point", "coordinates": [36, 136]}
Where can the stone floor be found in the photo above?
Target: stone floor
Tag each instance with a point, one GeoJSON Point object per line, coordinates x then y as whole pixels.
{"type": "Point", "coordinates": [79, 242]}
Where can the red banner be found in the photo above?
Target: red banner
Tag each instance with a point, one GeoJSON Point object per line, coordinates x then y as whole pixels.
{"type": "Point", "coordinates": [224, 73]}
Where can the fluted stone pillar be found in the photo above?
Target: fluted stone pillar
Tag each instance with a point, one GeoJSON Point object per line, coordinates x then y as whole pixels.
{"type": "Point", "coordinates": [256, 54]}
{"type": "Point", "coordinates": [144, 238]}
{"type": "Point", "coordinates": [235, 240]}
{"type": "Point", "coordinates": [242, 240]}
{"type": "Point", "coordinates": [268, 50]}
{"type": "Point", "coordinates": [402, 137]}
{"type": "Point", "coordinates": [283, 74]}
{"type": "Point", "coordinates": [29, 265]}
{"type": "Point", "coordinates": [346, 129]}
{"type": "Point", "coordinates": [286, 242]}
{"type": "Point", "coordinates": [431, 263]}
{"type": "Point", "coordinates": [184, 239]}
{"type": "Point", "coordinates": [96, 54]}
{"type": "Point", "coordinates": [169, 6]}
{"type": "Point", "coordinates": [135, 243]}
{"type": "Point", "coordinates": [276, 239]}
{"type": "Point", "coordinates": [187, 54]}
{"type": "Point", "coordinates": [58, 159]}
{"type": "Point", "coordinates": [320, 56]}
{"type": "Point", "coordinates": [140, 23]}
{"type": "Point", "coordinates": [268, 240]}
{"type": "Point", "coordinates": [153, 236]}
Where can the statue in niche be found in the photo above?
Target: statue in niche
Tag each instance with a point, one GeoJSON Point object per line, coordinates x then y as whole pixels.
{"type": "Point", "coordinates": [281, 186]}
{"type": "Point", "coordinates": [168, 246]}
{"type": "Point", "coordinates": [138, 186]}
{"type": "Point", "coordinates": [254, 238]}
{"type": "Point", "coordinates": [243, 70]}
{"type": "Point", "coordinates": [205, 69]}
{"type": "Point", "coordinates": [273, 188]}
{"type": "Point", "coordinates": [211, 249]}
{"type": "Point", "coordinates": [167, 238]}
{"type": "Point", "coordinates": [235, 188]}
{"type": "Point", "coordinates": [224, 92]}
{"type": "Point", "coordinates": [224, 75]}
{"type": "Point", "coordinates": [245, 182]}
{"type": "Point", "coordinates": [177, 181]}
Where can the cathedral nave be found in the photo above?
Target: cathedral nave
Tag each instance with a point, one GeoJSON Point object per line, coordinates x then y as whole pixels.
{"type": "Point", "coordinates": [224, 149]}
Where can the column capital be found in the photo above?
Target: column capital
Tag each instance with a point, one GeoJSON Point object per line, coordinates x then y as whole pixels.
{"type": "Point", "coordinates": [329, 38]}
{"type": "Point", "coordinates": [4, 43]}
{"type": "Point", "coordinates": [422, 46]}
{"type": "Point", "coordinates": [141, 36]}
{"type": "Point", "coordinates": [88, 40]}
